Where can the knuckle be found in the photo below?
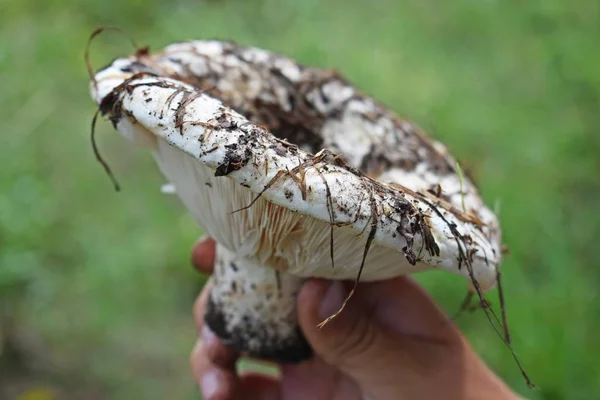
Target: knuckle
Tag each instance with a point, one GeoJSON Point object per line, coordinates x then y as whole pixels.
{"type": "Point", "coordinates": [356, 342]}
{"type": "Point", "coordinates": [196, 360]}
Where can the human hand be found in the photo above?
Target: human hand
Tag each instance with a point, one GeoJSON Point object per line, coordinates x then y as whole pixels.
{"type": "Point", "coordinates": [390, 342]}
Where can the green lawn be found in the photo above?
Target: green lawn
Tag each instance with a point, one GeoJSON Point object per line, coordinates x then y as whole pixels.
{"type": "Point", "coordinates": [96, 287]}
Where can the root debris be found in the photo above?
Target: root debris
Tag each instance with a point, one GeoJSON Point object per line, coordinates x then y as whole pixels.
{"type": "Point", "coordinates": [97, 153]}
{"type": "Point", "coordinates": [90, 70]}
{"type": "Point", "coordinates": [96, 32]}
{"type": "Point", "coordinates": [489, 312]}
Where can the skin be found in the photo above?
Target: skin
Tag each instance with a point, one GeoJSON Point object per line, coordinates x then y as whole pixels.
{"type": "Point", "coordinates": [390, 342]}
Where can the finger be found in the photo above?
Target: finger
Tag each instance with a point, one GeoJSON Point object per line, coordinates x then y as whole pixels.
{"type": "Point", "coordinates": [200, 305]}
{"type": "Point", "coordinates": [217, 378]}
{"type": "Point", "coordinates": [405, 307]}
{"type": "Point", "coordinates": [312, 379]}
{"type": "Point", "coordinates": [214, 382]}
{"type": "Point", "coordinates": [259, 387]}
{"type": "Point", "coordinates": [216, 352]}
{"type": "Point", "coordinates": [348, 336]}
{"type": "Point", "coordinates": [203, 255]}
{"type": "Point", "coordinates": [356, 337]}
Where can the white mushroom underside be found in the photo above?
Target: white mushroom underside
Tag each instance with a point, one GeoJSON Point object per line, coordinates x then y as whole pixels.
{"type": "Point", "coordinates": [269, 234]}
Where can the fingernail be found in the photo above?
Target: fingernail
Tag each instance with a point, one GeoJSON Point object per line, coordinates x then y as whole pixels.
{"type": "Point", "coordinates": [209, 384]}
{"type": "Point", "coordinates": [332, 300]}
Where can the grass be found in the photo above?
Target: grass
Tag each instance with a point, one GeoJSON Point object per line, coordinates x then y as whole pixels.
{"type": "Point", "coordinates": [95, 286]}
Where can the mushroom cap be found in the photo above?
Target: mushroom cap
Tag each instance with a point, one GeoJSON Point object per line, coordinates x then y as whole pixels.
{"type": "Point", "coordinates": [210, 112]}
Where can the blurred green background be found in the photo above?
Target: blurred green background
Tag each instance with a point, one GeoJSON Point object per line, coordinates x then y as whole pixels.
{"type": "Point", "coordinates": [96, 287]}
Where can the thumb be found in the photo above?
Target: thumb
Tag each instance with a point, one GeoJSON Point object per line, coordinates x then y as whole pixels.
{"type": "Point", "coordinates": [353, 341]}
{"type": "Point", "coordinates": [393, 341]}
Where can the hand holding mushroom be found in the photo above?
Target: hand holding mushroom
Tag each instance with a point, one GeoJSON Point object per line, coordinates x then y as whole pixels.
{"type": "Point", "coordinates": [391, 342]}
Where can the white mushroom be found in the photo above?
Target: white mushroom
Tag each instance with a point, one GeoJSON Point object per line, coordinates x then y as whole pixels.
{"type": "Point", "coordinates": [295, 174]}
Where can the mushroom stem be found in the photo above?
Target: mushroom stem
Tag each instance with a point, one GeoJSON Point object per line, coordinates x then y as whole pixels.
{"type": "Point", "coordinates": [253, 309]}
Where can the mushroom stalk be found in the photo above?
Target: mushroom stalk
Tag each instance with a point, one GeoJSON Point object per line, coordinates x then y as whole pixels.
{"type": "Point", "coordinates": [252, 308]}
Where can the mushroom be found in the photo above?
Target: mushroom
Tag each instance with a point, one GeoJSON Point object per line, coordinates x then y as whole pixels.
{"type": "Point", "coordinates": [295, 174]}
